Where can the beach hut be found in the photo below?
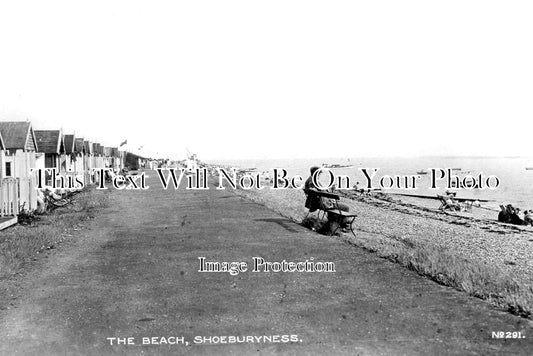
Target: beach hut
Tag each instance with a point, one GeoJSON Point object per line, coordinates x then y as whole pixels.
{"type": "Point", "coordinates": [111, 157]}
{"type": "Point", "coordinates": [20, 145]}
{"type": "Point", "coordinates": [70, 156]}
{"type": "Point", "coordinates": [116, 159]}
{"type": "Point", "coordinates": [7, 213]}
{"type": "Point", "coordinates": [79, 158]}
{"type": "Point", "coordinates": [18, 160]}
{"type": "Point", "coordinates": [88, 160]}
{"type": "Point", "coordinates": [133, 161]}
{"type": "Point", "coordinates": [96, 155]}
{"type": "Point", "coordinates": [2, 157]}
{"type": "Point", "coordinates": [96, 160]}
{"type": "Point", "coordinates": [121, 158]}
{"type": "Point", "coordinates": [50, 142]}
{"type": "Point", "coordinates": [108, 159]}
{"type": "Point", "coordinates": [101, 159]}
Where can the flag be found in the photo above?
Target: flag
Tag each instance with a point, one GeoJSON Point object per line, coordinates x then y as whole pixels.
{"type": "Point", "coordinates": [123, 143]}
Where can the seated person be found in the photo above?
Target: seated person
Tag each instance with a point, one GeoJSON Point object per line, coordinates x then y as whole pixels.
{"type": "Point", "coordinates": [515, 217]}
{"type": "Point", "coordinates": [528, 217]}
{"type": "Point", "coordinates": [503, 215]}
{"type": "Point", "coordinates": [362, 191]}
{"type": "Point", "coordinates": [449, 201]}
{"type": "Point", "coordinates": [314, 202]}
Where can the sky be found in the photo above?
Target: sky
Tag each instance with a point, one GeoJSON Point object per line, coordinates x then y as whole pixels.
{"type": "Point", "coordinates": [276, 79]}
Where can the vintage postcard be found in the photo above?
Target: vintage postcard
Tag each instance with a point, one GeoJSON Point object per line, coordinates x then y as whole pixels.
{"type": "Point", "coordinates": [278, 177]}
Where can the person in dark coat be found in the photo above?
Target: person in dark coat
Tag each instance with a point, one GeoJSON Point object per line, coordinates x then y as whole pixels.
{"type": "Point", "coordinates": [314, 202]}
{"type": "Point", "coordinates": [515, 218]}
{"type": "Point", "coordinates": [504, 216]}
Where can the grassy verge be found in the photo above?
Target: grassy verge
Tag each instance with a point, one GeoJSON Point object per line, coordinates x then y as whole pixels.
{"type": "Point", "coordinates": [481, 280]}
{"type": "Point", "coordinates": [20, 244]}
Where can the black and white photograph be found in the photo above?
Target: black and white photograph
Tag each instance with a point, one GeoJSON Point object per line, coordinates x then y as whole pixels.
{"type": "Point", "coordinates": [266, 177]}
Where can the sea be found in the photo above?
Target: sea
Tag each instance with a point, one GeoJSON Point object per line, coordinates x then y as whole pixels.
{"type": "Point", "coordinates": [515, 182]}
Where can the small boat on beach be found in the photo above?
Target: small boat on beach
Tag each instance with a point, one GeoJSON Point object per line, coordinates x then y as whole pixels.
{"type": "Point", "coordinates": [435, 197]}
{"type": "Point", "coordinates": [335, 165]}
{"type": "Point", "coordinates": [466, 185]}
{"type": "Point", "coordinates": [247, 170]}
{"type": "Point", "coordinates": [422, 172]}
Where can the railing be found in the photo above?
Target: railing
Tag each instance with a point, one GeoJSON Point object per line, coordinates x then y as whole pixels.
{"type": "Point", "coordinates": [9, 197]}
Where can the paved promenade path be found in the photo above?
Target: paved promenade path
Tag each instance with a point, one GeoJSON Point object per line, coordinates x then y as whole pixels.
{"type": "Point", "coordinates": [134, 273]}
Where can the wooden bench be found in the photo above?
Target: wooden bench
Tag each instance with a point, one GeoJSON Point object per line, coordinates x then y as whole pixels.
{"type": "Point", "coordinates": [338, 214]}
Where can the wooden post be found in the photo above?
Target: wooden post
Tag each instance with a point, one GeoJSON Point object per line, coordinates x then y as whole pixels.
{"type": "Point", "coordinates": [8, 200]}
{"type": "Point", "coordinates": [2, 198]}
{"type": "Point", "coordinates": [15, 199]}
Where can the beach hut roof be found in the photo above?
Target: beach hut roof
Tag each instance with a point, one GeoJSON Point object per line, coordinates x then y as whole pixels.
{"type": "Point", "coordinates": [2, 145]}
{"type": "Point", "coordinates": [79, 147]}
{"type": "Point", "coordinates": [50, 141]}
{"type": "Point", "coordinates": [135, 155]}
{"type": "Point", "coordinates": [98, 149]}
{"type": "Point", "coordinates": [69, 143]}
{"type": "Point", "coordinates": [18, 135]}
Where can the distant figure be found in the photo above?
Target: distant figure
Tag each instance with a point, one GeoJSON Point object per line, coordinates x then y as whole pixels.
{"type": "Point", "coordinates": [362, 191]}
{"type": "Point", "coordinates": [450, 201]}
{"type": "Point", "coordinates": [515, 218]}
{"type": "Point", "coordinates": [504, 216]}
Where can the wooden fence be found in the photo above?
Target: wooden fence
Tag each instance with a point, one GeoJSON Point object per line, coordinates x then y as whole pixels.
{"type": "Point", "coordinates": [9, 197]}
{"type": "Point", "coordinates": [27, 193]}
{"type": "Point", "coordinates": [19, 194]}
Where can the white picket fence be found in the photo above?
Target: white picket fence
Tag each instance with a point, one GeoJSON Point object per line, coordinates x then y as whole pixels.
{"type": "Point", "coordinates": [19, 194]}
{"type": "Point", "coordinates": [9, 197]}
